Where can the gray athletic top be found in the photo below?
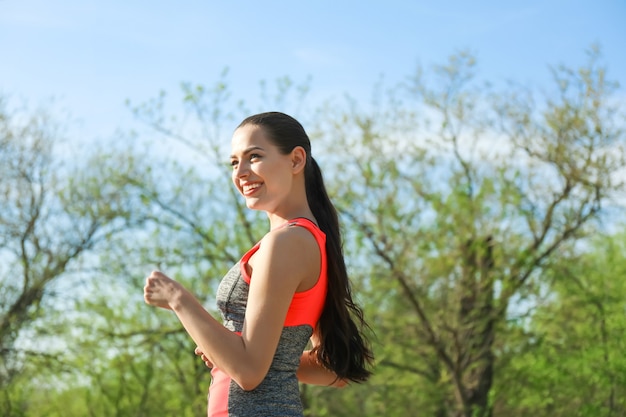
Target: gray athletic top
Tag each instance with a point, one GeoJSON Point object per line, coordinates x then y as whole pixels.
{"type": "Point", "coordinates": [278, 394]}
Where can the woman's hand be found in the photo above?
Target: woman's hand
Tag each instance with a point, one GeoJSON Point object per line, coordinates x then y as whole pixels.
{"type": "Point", "coordinates": [206, 360]}
{"type": "Point", "coordinates": [161, 291]}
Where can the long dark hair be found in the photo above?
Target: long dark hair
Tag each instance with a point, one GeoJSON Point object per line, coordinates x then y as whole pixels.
{"type": "Point", "coordinates": [343, 348]}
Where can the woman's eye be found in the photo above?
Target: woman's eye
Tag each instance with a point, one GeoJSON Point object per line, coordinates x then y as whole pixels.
{"type": "Point", "coordinates": [233, 163]}
{"type": "Point", "coordinates": [255, 156]}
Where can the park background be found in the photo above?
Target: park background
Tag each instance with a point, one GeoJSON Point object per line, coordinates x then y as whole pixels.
{"type": "Point", "coordinates": [475, 151]}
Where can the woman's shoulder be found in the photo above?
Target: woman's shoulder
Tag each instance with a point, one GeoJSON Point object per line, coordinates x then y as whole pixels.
{"type": "Point", "coordinates": [287, 253]}
{"type": "Point", "coordinates": [294, 239]}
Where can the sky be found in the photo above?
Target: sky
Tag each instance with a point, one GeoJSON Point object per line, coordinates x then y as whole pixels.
{"type": "Point", "coordinates": [92, 56]}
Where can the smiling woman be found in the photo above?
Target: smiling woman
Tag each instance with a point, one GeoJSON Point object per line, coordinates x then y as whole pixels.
{"type": "Point", "coordinates": [259, 170]}
{"type": "Point", "coordinates": [290, 288]}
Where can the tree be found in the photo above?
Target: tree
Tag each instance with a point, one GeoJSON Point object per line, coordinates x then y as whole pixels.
{"type": "Point", "coordinates": [571, 361]}
{"type": "Point", "coordinates": [459, 202]}
{"type": "Point", "coordinates": [49, 220]}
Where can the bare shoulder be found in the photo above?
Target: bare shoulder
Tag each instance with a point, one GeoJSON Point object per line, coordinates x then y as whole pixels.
{"type": "Point", "coordinates": [293, 252]}
{"type": "Point", "coordinates": [293, 240]}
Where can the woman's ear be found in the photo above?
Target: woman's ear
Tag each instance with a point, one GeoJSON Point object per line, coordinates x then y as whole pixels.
{"type": "Point", "coordinates": [298, 159]}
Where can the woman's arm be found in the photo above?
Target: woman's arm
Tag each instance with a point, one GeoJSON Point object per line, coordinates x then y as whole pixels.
{"type": "Point", "coordinates": [280, 265]}
{"type": "Point", "coordinates": [311, 371]}
{"type": "Point", "coordinates": [314, 373]}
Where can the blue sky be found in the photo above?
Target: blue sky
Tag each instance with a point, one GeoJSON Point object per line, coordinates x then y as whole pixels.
{"type": "Point", "coordinates": [93, 55]}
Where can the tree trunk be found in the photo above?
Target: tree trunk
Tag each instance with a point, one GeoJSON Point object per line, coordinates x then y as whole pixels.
{"type": "Point", "coordinates": [477, 319]}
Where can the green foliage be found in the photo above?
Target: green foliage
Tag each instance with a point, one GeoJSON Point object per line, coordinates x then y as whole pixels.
{"type": "Point", "coordinates": [466, 212]}
{"type": "Point", "coordinates": [575, 365]}
{"type": "Point", "coordinates": [44, 229]}
{"type": "Point", "coordinates": [460, 208]}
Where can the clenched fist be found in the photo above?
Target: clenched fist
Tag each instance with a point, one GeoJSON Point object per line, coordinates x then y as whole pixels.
{"type": "Point", "coordinates": [160, 290]}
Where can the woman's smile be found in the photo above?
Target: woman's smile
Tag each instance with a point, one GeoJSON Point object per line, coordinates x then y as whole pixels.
{"type": "Point", "coordinates": [250, 189]}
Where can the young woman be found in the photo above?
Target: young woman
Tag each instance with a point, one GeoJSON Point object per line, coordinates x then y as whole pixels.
{"type": "Point", "coordinates": [291, 287]}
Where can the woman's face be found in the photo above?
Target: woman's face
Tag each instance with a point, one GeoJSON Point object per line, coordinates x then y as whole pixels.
{"type": "Point", "coordinates": [260, 172]}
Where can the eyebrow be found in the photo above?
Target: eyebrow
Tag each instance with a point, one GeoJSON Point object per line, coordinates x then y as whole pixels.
{"type": "Point", "coordinates": [248, 150]}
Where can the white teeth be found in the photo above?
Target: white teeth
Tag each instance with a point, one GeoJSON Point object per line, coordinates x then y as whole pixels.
{"type": "Point", "coordinates": [249, 187]}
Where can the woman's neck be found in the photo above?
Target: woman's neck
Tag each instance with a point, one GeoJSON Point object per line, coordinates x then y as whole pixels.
{"type": "Point", "coordinates": [277, 220]}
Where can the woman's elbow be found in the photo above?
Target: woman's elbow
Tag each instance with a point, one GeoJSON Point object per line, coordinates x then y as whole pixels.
{"type": "Point", "coordinates": [249, 385]}
{"type": "Point", "coordinates": [248, 381]}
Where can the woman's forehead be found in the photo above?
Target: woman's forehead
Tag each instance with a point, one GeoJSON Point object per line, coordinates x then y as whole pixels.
{"type": "Point", "coordinates": [248, 136]}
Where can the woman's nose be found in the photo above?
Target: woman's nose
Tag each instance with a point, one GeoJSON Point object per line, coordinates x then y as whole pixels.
{"type": "Point", "coordinates": [241, 170]}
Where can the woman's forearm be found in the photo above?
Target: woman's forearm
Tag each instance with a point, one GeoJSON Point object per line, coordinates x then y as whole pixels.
{"type": "Point", "coordinates": [246, 357]}
{"type": "Point", "coordinates": [222, 347]}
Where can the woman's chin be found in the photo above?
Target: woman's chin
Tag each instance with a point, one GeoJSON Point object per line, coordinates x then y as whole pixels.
{"type": "Point", "coordinates": [253, 204]}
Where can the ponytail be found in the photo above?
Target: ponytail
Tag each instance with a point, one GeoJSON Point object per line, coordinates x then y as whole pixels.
{"type": "Point", "coordinates": [343, 349]}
